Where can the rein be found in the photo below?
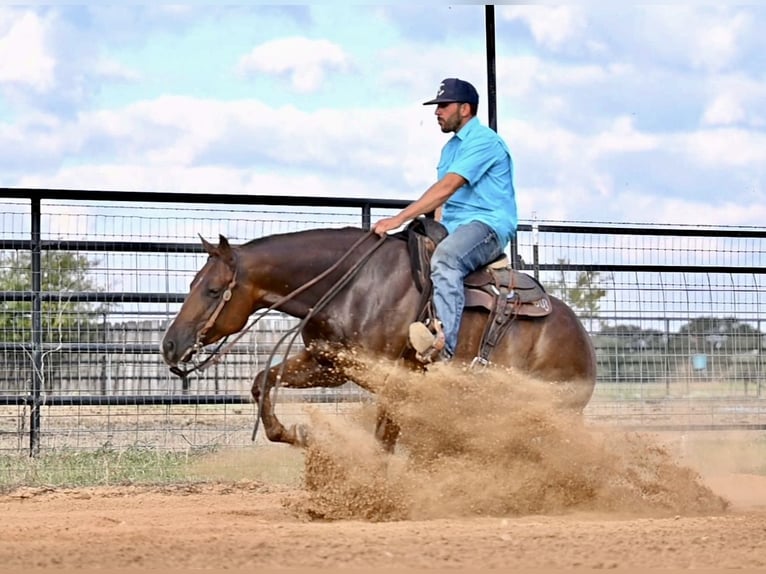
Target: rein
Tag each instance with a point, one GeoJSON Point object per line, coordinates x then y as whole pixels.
{"type": "Point", "coordinates": [318, 306]}
{"type": "Point", "coordinates": [220, 351]}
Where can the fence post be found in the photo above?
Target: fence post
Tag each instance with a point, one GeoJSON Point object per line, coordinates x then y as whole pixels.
{"type": "Point", "coordinates": [535, 246]}
{"type": "Point", "coordinates": [37, 331]}
{"type": "Point", "coordinates": [366, 216]}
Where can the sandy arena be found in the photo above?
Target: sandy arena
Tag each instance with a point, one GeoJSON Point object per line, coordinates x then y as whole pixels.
{"type": "Point", "coordinates": [496, 482]}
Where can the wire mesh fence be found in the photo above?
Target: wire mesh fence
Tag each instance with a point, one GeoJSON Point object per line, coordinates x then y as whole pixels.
{"type": "Point", "coordinates": [88, 288]}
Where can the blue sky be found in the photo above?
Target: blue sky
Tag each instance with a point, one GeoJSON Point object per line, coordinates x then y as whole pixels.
{"type": "Point", "coordinates": [647, 114]}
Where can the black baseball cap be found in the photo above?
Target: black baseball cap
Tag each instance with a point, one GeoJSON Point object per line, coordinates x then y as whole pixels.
{"type": "Point", "coordinates": [455, 90]}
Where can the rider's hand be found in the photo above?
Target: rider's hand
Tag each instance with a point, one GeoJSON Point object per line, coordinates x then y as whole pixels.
{"type": "Point", "coordinates": [385, 225]}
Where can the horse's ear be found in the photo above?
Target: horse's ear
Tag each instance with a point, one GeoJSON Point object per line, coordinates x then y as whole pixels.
{"type": "Point", "coordinates": [224, 250]}
{"type": "Point", "coordinates": [209, 247]}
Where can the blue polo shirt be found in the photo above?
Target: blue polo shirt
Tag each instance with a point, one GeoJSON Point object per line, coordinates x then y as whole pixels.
{"type": "Point", "coordinates": [478, 154]}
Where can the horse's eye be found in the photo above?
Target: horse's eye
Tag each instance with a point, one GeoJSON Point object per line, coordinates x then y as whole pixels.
{"type": "Point", "coordinates": [214, 293]}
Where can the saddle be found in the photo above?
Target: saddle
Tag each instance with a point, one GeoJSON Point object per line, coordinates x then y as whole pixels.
{"type": "Point", "coordinates": [497, 288]}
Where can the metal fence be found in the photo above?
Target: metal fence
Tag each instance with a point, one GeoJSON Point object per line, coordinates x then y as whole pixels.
{"type": "Point", "coordinates": [90, 279]}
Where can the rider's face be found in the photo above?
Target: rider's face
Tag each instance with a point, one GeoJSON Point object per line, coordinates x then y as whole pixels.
{"type": "Point", "coordinates": [450, 116]}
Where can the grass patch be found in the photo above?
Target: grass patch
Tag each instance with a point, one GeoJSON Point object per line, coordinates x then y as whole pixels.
{"type": "Point", "coordinates": [677, 389]}
{"type": "Point", "coordinates": [272, 463]}
{"type": "Point", "coordinates": [107, 466]}
{"type": "Point", "coordinates": [101, 467]}
{"type": "Point", "coordinates": [721, 452]}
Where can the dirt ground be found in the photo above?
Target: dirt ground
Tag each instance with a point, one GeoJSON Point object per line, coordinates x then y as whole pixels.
{"type": "Point", "coordinates": [248, 525]}
{"type": "Point", "coordinates": [497, 482]}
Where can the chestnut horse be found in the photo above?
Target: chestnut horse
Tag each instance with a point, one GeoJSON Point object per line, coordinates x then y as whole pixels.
{"type": "Point", "coordinates": [352, 289]}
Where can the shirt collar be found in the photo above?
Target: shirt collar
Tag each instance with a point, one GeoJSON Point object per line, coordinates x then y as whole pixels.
{"type": "Point", "coordinates": [467, 128]}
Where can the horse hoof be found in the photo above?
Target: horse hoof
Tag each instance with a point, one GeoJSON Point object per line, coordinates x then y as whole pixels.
{"type": "Point", "coordinates": [302, 435]}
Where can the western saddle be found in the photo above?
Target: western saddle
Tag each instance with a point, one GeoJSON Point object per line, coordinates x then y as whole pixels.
{"type": "Point", "coordinates": [502, 291]}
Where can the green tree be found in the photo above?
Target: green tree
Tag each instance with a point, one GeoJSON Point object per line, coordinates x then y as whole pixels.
{"type": "Point", "coordinates": [583, 294]}
{"type": "Point", "coordinates": [63, 320]}
{"type": "Point", "coordinates": [632, 338]}
{"type": "Point", "coordinates": [722, 334]}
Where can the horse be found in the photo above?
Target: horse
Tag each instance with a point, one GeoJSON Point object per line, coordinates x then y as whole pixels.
{"type": "Point", "coordinates": [351, 290]}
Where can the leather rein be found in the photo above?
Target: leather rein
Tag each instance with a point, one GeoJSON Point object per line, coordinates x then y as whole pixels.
{"type": "Point", "coordinates": [217, 354]}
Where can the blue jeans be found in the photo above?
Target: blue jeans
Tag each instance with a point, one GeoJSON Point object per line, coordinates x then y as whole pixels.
{"type": "Point", "coordinates": [463, 251]}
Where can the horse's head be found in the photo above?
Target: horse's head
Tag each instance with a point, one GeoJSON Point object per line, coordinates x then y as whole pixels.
{"type": "Point", "coordinates": [215, 307]}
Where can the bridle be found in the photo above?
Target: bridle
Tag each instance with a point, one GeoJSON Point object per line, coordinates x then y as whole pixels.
{"type": "Point", "coordinates": [220, 351]}
{"type": "Point", "coordinates": [198, 345]}
{"type": "Point", "coordinates": [217, 354]}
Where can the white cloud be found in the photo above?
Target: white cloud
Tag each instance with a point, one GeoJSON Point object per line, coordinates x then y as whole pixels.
{"type": "Point", "coordinates": [153, 145]}
{"type": "Point", "coordinates": [681, 211]}
{"type": "Point", "coordinates": [303, 60]}
{"type": "Point", "coordinates": [723, 148]}
{"type": "Point", "coordinates": [114, 70]}
{"type": "Point", "coordinates": [24, 57]}
{"type": "Point", "coordinates": [717, 44]}
{"type": "Point", "coordinates": [622, 137]}
{"type": "Point", "coordinates": [36, 137]}
{"type": "Point", "coordinates": [561, 175]}
{"type": "Point", "coordinates": [724, 109]}
{"type": "Point", "coordinates": [551, 26]}
{"type": "Point", "coordinates": [706, 38]}
{"type": "Point", "coordinates": [595, 137]}
{"type": "Point", "coordinates": [735, 99]}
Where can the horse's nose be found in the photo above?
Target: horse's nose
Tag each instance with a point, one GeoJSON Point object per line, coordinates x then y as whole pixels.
{"type": "Point", "coordinates": [168, 347]}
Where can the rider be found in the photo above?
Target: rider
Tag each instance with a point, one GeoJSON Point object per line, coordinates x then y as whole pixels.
{"type": "Point", "coordinates": [474, 198]}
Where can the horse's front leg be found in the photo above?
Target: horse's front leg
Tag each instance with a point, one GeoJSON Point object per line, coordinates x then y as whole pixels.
{"type": "Point", "coordinates": [301, 371]}
{"type": "Point", "coordinates": [386, 430]}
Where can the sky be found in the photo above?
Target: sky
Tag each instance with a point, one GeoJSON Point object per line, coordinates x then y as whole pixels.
{"type": "Point", "coordinates": [617, 113]}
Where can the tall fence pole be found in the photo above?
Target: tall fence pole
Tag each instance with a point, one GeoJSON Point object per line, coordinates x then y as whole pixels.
{"type": "Point", "coordinates": [366, 216]}
{"type": "Point", "coordinates": [37, 331]}
{"type": "Point", "coordinates": [489, 23]}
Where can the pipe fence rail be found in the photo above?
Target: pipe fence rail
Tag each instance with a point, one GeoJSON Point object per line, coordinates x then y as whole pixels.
{"type": "Point", "coordinates": [90, 279]}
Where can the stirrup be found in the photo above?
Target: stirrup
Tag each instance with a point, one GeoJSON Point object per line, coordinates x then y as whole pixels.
{"type": "Point", "coordinates": [428, 344]}
{"type": "Point", "coordinates": [478, 361]}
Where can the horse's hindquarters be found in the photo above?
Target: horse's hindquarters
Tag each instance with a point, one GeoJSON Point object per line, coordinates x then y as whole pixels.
{"type": "Point", "coordinates": [555, 348]}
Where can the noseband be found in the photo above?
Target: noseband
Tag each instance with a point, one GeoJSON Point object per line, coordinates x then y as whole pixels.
{"type": "Point", "coordinates": [198, 345]}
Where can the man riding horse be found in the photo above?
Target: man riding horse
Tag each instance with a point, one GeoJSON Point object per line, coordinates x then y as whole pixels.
{"type": "Point", "coordinates": [475, 197]}
{"type": "Point", "coordinates": [353, 289]}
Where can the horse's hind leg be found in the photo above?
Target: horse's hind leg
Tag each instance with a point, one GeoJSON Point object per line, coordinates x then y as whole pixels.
{"type": "Point", "coordinates": [300, 371]}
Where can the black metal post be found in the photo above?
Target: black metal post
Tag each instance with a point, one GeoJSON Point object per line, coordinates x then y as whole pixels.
{"type": "Point", "coordinates": [535, 248]}
{"type": "Point", "coordinates": [366, 217]}
{"type": "Point", "coordinates": [37, 332]}
{"type": "Point", "coordinates": [489, 24]}
{"type": "Point", "coordinates": [489, 17]}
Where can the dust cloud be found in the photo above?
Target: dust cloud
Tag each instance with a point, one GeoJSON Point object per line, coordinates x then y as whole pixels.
{"type": "Point", "coordinates": [486, 443]}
